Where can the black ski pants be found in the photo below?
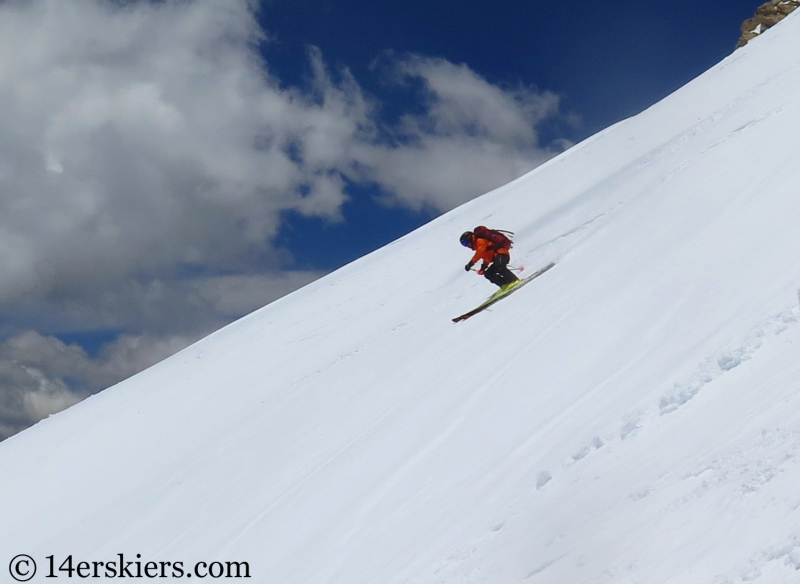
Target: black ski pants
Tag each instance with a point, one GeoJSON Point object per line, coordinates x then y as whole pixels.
{"type": "Point", "coordinates": [498, 273]}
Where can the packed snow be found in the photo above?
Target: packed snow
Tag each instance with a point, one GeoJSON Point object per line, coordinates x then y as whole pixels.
{"type": "Point", "coordinates": [631, 416]}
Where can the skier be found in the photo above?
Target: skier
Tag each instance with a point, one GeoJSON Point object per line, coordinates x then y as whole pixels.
{"type": "Point", "coordinates": [492, 249]}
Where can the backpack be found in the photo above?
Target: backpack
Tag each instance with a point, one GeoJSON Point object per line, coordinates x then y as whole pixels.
{"type": "Point", "coordinates": [498, 237]}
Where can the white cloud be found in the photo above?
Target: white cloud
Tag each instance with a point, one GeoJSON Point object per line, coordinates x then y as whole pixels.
{"type": "Point", "coordinates": [150, 135]}
{"type": "Point", "coordinates": [474, 136]}
{"type": "Point", "coordinates": [462, 102]}
{"type": "Point", "coordinates": [144, 136]}
{"type": "Point", "coordinates": [34, 367]}
{"type": "Point", "coordinates": [142, 143]}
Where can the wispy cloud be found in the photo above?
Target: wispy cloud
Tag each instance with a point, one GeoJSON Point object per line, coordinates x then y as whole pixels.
{"type": "Point", "coordinates": [147, 153]}
{"type": "Point", "coordinates": [472, 136]}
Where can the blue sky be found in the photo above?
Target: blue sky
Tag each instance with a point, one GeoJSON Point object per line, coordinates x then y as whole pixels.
{"type": "Point", "coordinates": [167, 167]}
{"type": "Point", "coordinates": [606, 60]}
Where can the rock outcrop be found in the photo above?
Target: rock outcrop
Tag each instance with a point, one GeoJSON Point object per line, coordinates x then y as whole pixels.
{"type": "Point", "coordinates": [767, 15]}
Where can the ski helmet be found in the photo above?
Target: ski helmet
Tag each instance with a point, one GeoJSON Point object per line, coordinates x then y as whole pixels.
{"type": "Point", "coordinates": [466, 238]}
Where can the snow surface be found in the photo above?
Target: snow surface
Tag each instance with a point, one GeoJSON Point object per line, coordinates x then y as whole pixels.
{"type": "Point", "coordinates": [631, 416]}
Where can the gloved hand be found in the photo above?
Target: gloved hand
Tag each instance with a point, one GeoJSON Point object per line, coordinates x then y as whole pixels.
{"type": "Point", "coordinates": [484, 267]}
{"type": "Point", "coordinates": [468, 267]}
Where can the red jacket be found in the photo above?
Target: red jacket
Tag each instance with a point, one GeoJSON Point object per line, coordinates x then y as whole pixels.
{"type": "Point", "coordinates": [485, 250]}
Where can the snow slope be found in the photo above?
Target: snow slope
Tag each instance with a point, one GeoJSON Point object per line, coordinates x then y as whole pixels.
{"type": "Point", "coordinates": [631, 416]}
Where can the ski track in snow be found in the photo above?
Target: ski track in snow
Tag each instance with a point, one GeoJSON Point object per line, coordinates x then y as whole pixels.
{"type": "Point", "coordinates": [773, 455]}
{"type": "Point", "coordinates": [778, 563]}
{"type": "Point", "coordinates": [725, 360]}
{"type": "Point", "coordinates": [751, 468]}
{"type": "Point", "coordinates": [768, 465]}
{"type": "Point", "coordinates": [574, 238]}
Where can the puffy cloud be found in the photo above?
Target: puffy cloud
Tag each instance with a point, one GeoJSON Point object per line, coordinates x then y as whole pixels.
{"type": "Point", "coordinates": [147, 155]}
{"type": "Point", "coordinates": [148, 136]}
{"type": "Point", "coordinates": [463, 103]}
{"type": "Point", "coordinates": [143, 137]}
{"type": "Point", "coordinates": [33, 370]}
{"type": "Point", "coordinates": [473, 136]}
